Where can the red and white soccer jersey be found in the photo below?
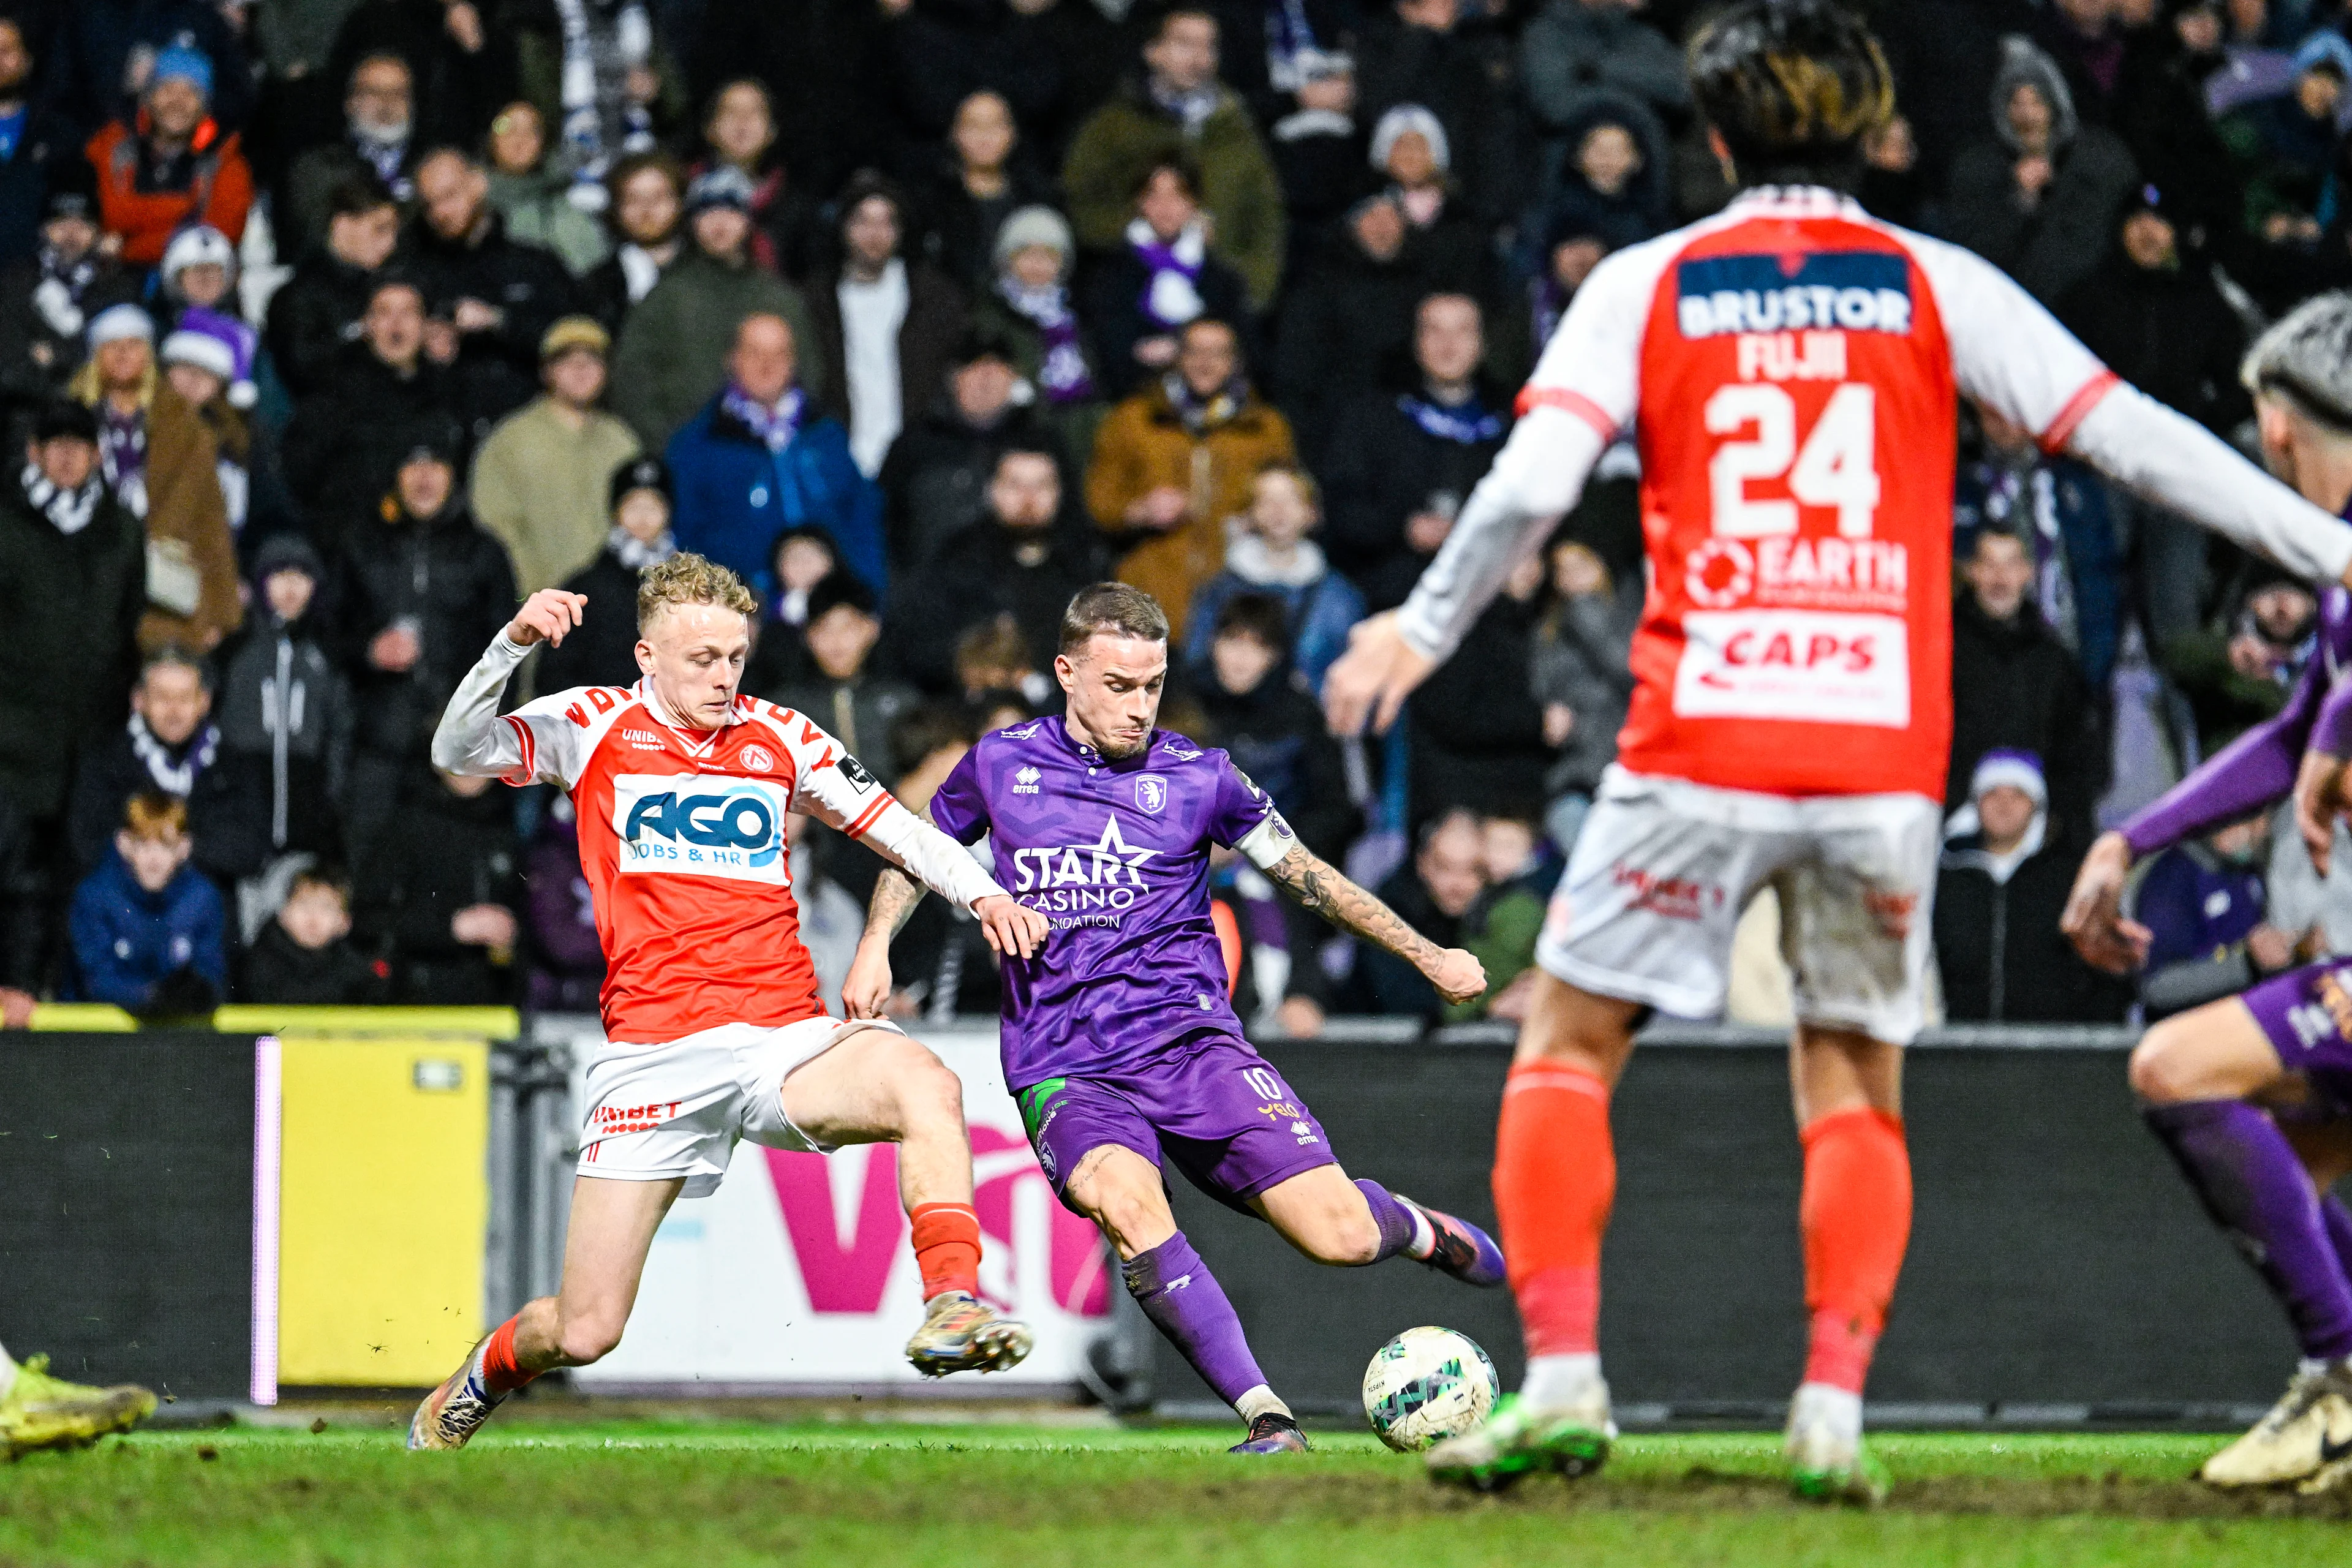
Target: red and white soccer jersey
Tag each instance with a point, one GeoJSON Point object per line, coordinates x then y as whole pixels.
{"type": "Point", "coordinates": [682, 842]}
{"type": "Point", "coordinates": [1790, 372]}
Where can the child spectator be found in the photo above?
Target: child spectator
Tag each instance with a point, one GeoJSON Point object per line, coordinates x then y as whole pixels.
{"type": "Point", "coordinates": [150, 934]}
{"type": "Point", "coordinates": [1578, 673]}
{"type": "Point", "coordinates": [1272, 555]}
{"type": "Point", "coordinates": [602, 649]}
{"type": "Point", "coordinates": [304, 957]}
{"type": "Point", "coordinates": [802, 557]}
{"type": "Point", "coordinates": [1503, 923]}
{"type": "Point", "coordinates": [199, 277]}
{"type": "Point", "coordinates": [2207, 912]}
{"type": "Point", "coordinates": [47, 299]}
{"type": "Point", "coordinates": [841, 694]}
{"type": "Point", "coordinates": [1272, 728]}
{"type": "Point", "coordinates": [285, 706]}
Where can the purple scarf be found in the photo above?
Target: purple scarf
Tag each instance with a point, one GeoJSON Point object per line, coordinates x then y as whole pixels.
{"type": "Point", "coordinates": [1171, 293]}
{"type": "Point", "coordinates": [123, 455]}
{"type": "Point", "coordinates": [774, 428]}
{"type": "Point", "coordinates": [1063, 372]}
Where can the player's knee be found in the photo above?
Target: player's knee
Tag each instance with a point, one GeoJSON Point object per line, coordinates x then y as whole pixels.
{"type": "Point", "coordinates": [1347, 1237]}
{"type": "Point", "coordinates": [2164, 1064]}
{"type": "Point", "coordinates": [589, 1337]}
{"type": "Point", "coordinates": [929, 1095]}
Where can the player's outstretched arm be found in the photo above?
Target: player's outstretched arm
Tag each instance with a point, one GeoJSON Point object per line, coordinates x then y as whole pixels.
{"type": "Point", "coordinates": [1319, 885]}
{"type": "Point", "coordinates": [469, 739]}
{"type": "Point", "coordinates": [865, 993]}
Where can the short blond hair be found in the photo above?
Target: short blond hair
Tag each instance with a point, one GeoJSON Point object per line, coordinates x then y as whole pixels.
{"type": "Point", "coordinates": [686, 579]}
{"type": "Point", "coordinates": [153, 817]}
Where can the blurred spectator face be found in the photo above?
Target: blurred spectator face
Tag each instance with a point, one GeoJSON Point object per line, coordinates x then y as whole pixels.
{"type": "Point", "coordinates": [16, 60]}
{"type": "Point", "coordinates": [1167, 204]}
{"type": "Point", "coordinates": [123, 364]}
{"type": "Point", "coordinates": [1452, 864]}
{"type": "Point", "coordinates": [2148, 242]}
{"type": "Point", "coordinates": [1411, 163]}
{"type": "Point", "coordinates": [801, 563]}
{"type": "Point", "coordinates": [1506, 847]}
{"type": "Point", "coordinates": [1572, 260]}
{"type": "Point", "coordinates": [173, 700]}
{"type": "Point", "coordinates": [982, 390]}
{"type": "Point", "coordinates": [69, 237]}
{"type": "Point", "coordinates": [174, 108]}
{"type": "Point", "coordinates": [643, 516]}
{"type": "Point", "coordinates": [2087, 16]}
{"type": "Point", "coordinates": [364, 239]}
{"type": "Point", "coordinates": [1576, 571]}
{"type": "Point", "coordinates": [1608, 158]}
{"type": "Point", "coordinates": [1183, 58]}
{"type": "Point", "coordinates": [576, 377]}
{"type": "Point", "coordinates": [2030, 117]}
{"type": "Point", "coordinates": [1526, 579]}
{"type": "Point", "coordinates": [518, 140]}
{"type": "Point", "coordinates": [1998, 573]}
{"type": "Point", "coordinates": [1241, 661]}
{"type": "Point", "coordinates": [2283, 611]}
{"type": "Point", "coordinates": [871, 231]}
{"type": "Point", "coordinates": [2005, 436]}
{"type": "Point", "coordinates": [1026, 492]}
{"type": "Point", "coordinates": [1447, 339]}
{"type": "Point", "coordinates": [203, 285]}
{"type": "Point", "coordinates": [2006, 812]}
{"type": "Point", "coordinates": [1207, 357]}
{"type": "Point", "coordinates": [722, 233]}
{"type": "Point", "coordinates": [377, 106]}
{"type": "Point", "coordinates": [2241, 843]}
{"type": "Point", "coordinates": [196, 385]}
{"type": "Point", "coordinates": [1892, 147]}
{"type": "Point", "coordinates": [2199, 28]}
{"type": "Point", "coordinates": [1437, 15]}
{"type": "Point", "coordinates": [649, 208]}
{"type": "Point", "coordinates": [154, 858]}
{"type": "Point", "coordinates": [453, 193]}
{"type": "Point", "coordinates": [982, 133]}
{"type": "Point", "coordinates": [1379, 228]}
{"type": "Point", "coordinates": [840, 639]}
{"type": "Point", "coordinates": [288, 593]}
{"type": "Point", "coordinates": [2319, 91]}
{"type": "Point", "coordinates": [740, 129]}
{"type": "Point", "coordinates": [314, 916]}
{"type": "Point", "coordinates": [394, 326]}
{"type": "Point", "coordinates": [66, 462]}
{"type": "Point", "coordinates": [764, 359]}
{"type": "Point", "coordinates": [1036, 266]}
{"type": "Point", "coordinates": [424, 484]}
{"type": "Point", "coordinates": [1281, 510]}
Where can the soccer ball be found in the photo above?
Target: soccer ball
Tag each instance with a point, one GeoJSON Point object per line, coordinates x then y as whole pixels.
{"type": "Point", "coordinates": [1426, 1385]}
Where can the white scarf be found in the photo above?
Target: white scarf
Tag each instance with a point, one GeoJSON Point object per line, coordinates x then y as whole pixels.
{"type": "Point", "coordinates": [637, 554]}
{"type": "Point", "coordinates": [1248, 558]}
{"type": "Point", "coordinates": [68, 511]}
{"type": "Point", "coordinates": [176, 778]}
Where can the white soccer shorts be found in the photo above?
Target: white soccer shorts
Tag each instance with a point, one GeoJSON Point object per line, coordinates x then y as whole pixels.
{"type": "Point", "coordinates": [678, 1108]}
{"type": "Point", "coordinates": [1664, 866]}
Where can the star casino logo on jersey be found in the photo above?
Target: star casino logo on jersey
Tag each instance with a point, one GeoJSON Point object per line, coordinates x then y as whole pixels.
{"type": "Point", "coordinates": [1081, 884]}
{"type": "Point", "coordinates": [1851, 291]}
{"type": "Point", "coordinates": [693, 825]}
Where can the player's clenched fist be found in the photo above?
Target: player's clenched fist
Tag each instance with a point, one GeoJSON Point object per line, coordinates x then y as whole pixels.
{"type": "Point", "coordinates": [1010, 928]}
{"type": "Point", "coordinates": [546, 616]}
{"type": "Point", "coordinates": [1459, 976]}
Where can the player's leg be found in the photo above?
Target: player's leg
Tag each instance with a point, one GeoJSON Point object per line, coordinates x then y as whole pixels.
{"type": "Point", "coordinates": [38, 1411]}
{"type": "Point", "coordinates": [1349, 1224]}
{"type": "Point", "coordinates": [876, 1086]}
{"type": "Point", "coordinates": [604, 1247]}
{"type": "Point", "coordinates": [2196, 1075]}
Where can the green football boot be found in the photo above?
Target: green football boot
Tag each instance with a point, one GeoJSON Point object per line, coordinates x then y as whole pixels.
{"type": "Point", "coordinates": [44, 1412]}
{"type": "Point", "coordinates": [1520, 1439]}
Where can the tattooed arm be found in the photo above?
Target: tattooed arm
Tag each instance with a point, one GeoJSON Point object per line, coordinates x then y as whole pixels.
{"type": "Point", "coordinates": [1318, 887]}
{"type": "Point", "coordinates": [865, 991]}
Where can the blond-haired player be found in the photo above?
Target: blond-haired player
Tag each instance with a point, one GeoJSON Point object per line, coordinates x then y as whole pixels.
{"type": "Point", "coordinates": [715, 1032]}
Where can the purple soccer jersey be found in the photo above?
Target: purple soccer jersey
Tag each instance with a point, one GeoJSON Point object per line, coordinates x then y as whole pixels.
{"type": "Point", "coordinates": [1116, 856]}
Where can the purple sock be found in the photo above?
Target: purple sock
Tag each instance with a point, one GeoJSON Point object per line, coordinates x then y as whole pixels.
{"type": "Point", "coordinates": [2247, 1175]}
{"type": "Point", "coordinates": [1394, 1219]}
{"type": "Point", "coordinates": [1183, 1300]}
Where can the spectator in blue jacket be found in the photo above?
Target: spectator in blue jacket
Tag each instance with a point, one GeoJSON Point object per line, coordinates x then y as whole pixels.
{"type": "Point", "coordinates": [1271, 554]}
{"type": "Point", "coordinates": [2207, 913]}
{"type": "Point", "coordinates": [759, 459]}
{"type": "Point", "coordinates": [150, 933]}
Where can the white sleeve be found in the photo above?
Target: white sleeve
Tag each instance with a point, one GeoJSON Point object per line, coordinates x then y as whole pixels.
{"type": "Point", "coordinates": [1584, 391]}
{"type": "Point", "coordinates": [2012, 355]}
{"type": "Point", "coordinates": [543, 741]}
{"type": "Point", "coordinates": [835, 787]}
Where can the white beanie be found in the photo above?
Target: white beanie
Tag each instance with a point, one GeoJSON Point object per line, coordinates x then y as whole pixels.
{"type": "Point", "coordinates": [1034, 225]}
{"type": "Point", "coordinates": [2018, 770]}
{"type": "Point", "coordinates": [194, 246]}
{"type": "Point", "coordinates": [119, 321]}
{"type": "Point", "coordinates": [1407, 117]}
{"type": "Point", "coordinates": [203, 350]}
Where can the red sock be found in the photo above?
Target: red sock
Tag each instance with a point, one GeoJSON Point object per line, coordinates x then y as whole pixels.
{"type": "Point", "coordinates": [1555, 1179]}
{"type": "Point", "coordinates": [947, 1247]}
{"type": "Point", "coordinates": [1856, 1219]}
{"type": "Point", "coordinates": [499, 1372]}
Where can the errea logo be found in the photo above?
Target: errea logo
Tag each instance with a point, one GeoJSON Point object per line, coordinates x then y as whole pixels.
{"type": "Point", "coordinates": [1025, 780]}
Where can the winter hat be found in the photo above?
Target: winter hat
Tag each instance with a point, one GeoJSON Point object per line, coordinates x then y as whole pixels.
{"type": "Point", "coordinates": [72, 190]}
{"type": "Point", "coordinates": [1034, 225]}
{"type": "Point", "coordinates": [2023, 65]}
{"type": "Point", "coordinates": [221, 344]}
{"type": "Point", "coordinates": [2325, 51]}
{"type": "Point", "coordinates": [194, 246]}
{"type": "Point", "coordinates": [2018, 770]}
{"type": "Point", "coordinates": [119, 321]}
{"type": "Point", "coordinates": [724, 186]}
{"type": "Point", "coordinates": [187, 61]}
{"type": "Point", "coordinates": [839, 587]}
{"type": "Point", "coordinates": [63, 419]}
{"type": "Point", "coordinates": [288, 552]}
{"type": "Point", "coordinates": [1407, 117]}
{"type": "Point", "coordinates": [2307, 356]}
{"type": "Point", "coordinates": [644, 473]}
{"type": "Point", "coordinates": [203, 350]}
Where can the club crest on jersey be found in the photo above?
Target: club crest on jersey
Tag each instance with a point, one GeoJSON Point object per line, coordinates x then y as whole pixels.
{"type": "Point", "coordinates": [1853, 292]}
{"type": "Point", "coordinates": [694, 825]}
{"type": "Point", "coordinates": [758, 758]}
{"type": "Point", "coordinates": [1151, 792]}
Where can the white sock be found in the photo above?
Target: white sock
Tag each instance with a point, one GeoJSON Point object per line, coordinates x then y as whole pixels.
{"type": "Point", "coordinates": [1557, 1382]}
{"type": "Point", "coordinates": [1424, 1235]}
{"type": "Point", "coordinates": [1260, 1401]}
{"type": "Point", "coordinates": [1839, 1408]}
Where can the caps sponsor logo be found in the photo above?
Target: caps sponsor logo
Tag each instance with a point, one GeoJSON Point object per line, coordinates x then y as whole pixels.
{"type": "Point", "coordinates": [1804, 664]}
{"type": "Point", "coordinates": [1151, 792]}
{"type": "Point", "coordinates": [1851, 291]}
{"type": "Point", "coordinates": [704, 827]}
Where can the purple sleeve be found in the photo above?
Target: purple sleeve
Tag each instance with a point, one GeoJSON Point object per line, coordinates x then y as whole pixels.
{"type": "Point", "coordinates": [2250, 773]}
{"type": "Point", "coordinates": [1240, 806]}
{"type": "Point", "coordinates": [961, 807]}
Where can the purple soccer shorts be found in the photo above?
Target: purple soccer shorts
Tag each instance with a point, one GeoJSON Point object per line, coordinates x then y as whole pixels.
{"type": "Point", "coordinates": [2307, 1014]}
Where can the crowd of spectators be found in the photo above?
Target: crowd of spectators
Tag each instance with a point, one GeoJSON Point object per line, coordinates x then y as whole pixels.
{"type": "Point", "coordinates": [331, 328]}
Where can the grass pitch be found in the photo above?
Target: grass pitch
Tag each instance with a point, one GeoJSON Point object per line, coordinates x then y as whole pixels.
{"type": "Point", "coordinates": [585, 1493]}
